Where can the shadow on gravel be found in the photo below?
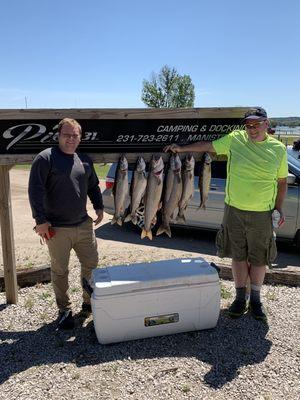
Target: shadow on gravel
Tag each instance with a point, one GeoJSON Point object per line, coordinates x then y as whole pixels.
{"type": "Point", "coordinates": [185, 239]}
{"type": "Point", "coordinates": [225, 349]}
{"type": "Point", "coordinates": [3, 306]}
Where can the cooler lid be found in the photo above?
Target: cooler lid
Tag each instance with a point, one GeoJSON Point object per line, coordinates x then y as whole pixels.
{"type": "Point", "coordinates": [160, 274]}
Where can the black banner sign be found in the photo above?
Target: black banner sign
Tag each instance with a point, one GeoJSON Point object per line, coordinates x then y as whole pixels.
{"type": "Point", "coordinates": [113, 135]}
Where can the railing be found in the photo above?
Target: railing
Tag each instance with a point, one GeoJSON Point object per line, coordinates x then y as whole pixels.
{"type": "Point", "coordinates": [288, 137]}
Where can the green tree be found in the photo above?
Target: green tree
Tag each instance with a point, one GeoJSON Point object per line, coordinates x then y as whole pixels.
{"type": "Point", "coordinates": [168, 89]}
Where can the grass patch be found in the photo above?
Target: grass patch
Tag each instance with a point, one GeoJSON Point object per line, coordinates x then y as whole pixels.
{"type": "Point", "coordinates": [286, 139]}
{"type": "Point", "coordinates": [43, 316]}
{"type": "Point", "coordinates": [75, 289]}
{"type": "Point", "coordinates": [29, 303]}
{"type": "Point", "coordinates": [225, 293]}
{"type": "Point", "coordinates": [271, 295]}
{"type": "Point", "coordinates": [245, 352]}
{"type": "Point", "coordinates": [22, 166]}
{"type": "Point", "coordinates": [29, 264]}
{"type": "Point", "coordinates": [44, 296]}
{"type": "Point", "coordinates": [101, 170]}
{"type": "Point", "coordinates": [185, 388]}
{"type": "Point", "coordinates": [114, 368]}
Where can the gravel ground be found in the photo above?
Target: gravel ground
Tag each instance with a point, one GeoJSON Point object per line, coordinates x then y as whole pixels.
{"type": "Point", "coordinates": [238, 359]}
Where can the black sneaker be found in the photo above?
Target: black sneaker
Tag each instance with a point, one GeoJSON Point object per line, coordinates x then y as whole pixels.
{"type": "Point", "coordinates": [258, 311]}
{"type": "Point", "coordinates": [65, 320]}
{"type": "Point", "coordinates": [86, 307]}
{"type": "Point", "coordinates": [237, 308]}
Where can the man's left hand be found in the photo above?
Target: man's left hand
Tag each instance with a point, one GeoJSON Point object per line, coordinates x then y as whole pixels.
{"type": "Point", "coordinates": [99, 217]}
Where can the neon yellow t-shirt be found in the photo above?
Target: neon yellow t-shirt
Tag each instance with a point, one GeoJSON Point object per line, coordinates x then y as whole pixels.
{"type": "Point", "coordinates": [252, 170]}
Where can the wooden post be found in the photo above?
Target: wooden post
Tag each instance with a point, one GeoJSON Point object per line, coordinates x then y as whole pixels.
{"type": "Point", "coordinates": [8, 247]}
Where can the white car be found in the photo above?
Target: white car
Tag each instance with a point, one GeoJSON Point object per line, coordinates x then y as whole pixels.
{"type": "Point", "coordinates": [211, 218]}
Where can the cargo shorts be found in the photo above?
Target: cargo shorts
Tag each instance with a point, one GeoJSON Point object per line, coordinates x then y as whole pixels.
{"type": "Point", "coordinates": [247, 236]}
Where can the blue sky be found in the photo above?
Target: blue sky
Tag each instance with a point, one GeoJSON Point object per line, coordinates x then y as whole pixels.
{"type": "Point", "coordinates": [95, 54]}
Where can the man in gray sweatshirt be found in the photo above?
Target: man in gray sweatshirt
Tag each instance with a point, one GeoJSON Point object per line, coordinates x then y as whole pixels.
{"type": "Point", "coordinates": [60, 181]}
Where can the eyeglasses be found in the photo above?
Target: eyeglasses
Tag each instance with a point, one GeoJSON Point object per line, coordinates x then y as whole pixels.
{"type": "Point", "coordinates": [70, 136]}
{"type": "Point", "coordinates": [254, 126]}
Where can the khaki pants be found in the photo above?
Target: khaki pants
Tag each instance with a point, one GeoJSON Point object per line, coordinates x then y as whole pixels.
{"type": "Point", "coordinates": [82, 239]}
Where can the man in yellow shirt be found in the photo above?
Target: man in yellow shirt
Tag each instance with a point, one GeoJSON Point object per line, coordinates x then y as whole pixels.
{"type": "Point", "coordinates": [256, 185]}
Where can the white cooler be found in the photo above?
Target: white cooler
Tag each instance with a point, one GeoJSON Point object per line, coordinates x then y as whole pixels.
{"type": "Point", "coordinates": [153, 299]}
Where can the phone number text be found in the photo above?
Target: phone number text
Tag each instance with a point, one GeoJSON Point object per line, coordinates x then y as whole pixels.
{"type": "Point", "coordinates": [146, 138]}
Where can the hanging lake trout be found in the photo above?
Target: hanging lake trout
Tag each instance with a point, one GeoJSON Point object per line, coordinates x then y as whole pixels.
{"type": "Point", "coordinates": [138, 189]}
{"type": "Point", "coordinates": [121, 191]}
{"type": "Point", "coordinates": [187, 186]}
{"type": "Point", "coordinates": [204, 180]}
{"type": "Point", "coordinates": [153, 194]}
{"type": "Point", "coordinates": [172, 194]}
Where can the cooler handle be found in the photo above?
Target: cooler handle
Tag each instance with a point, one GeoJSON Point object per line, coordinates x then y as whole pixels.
{"type": "Point", "coordinates": [218, 269]}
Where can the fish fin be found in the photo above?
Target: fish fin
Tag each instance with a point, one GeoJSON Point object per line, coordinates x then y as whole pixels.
{"type": "Point", "coordinates": [160, 230]}
{"type": "Point", "coordinates": [202, 206]}
{"type": "Point", "coordinates": [134, 219]}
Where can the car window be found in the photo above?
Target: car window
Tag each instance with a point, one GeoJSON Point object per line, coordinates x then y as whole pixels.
{"type": "Point", "coordinates": [131, 166]}
{"type": "Point", "coordinates": [219, 169]}
{"type": "Point", "coordinates": [294, 167]}
{"type": "Point", "coordinates": [293, 161]}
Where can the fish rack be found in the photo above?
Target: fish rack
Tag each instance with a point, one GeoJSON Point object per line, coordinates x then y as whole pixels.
{"type": "Point", "coordinates": [106, 134]}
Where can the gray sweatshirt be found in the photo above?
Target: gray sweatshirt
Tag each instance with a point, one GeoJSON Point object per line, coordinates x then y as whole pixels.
{"type": "Point", "coordinates": [59, 184]}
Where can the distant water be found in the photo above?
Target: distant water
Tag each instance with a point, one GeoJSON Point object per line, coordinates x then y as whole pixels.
{"type": "Point", "coordinates": [287, 130]}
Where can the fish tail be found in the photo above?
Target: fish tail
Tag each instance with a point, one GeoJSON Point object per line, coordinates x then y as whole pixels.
{"type": "Point", "coordinates": [164, 229]}
{"type": "Point", "coordinates": [119, 221]}
{"type": "Point", "coordinates": [147, 234]}
{"type": "Point", "coordinates": [128, 218]}
{"type": "Point", "coordinates": [181, 217]}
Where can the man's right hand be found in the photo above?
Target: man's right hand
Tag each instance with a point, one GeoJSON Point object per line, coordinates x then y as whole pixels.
{"type": "Point", "coordinates": [174, 148]}
{"type": "Point", "coordinates": [43, 230]}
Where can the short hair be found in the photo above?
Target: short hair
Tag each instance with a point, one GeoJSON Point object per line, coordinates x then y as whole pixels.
{"type": "Point", "coordinates": [69, 121]}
